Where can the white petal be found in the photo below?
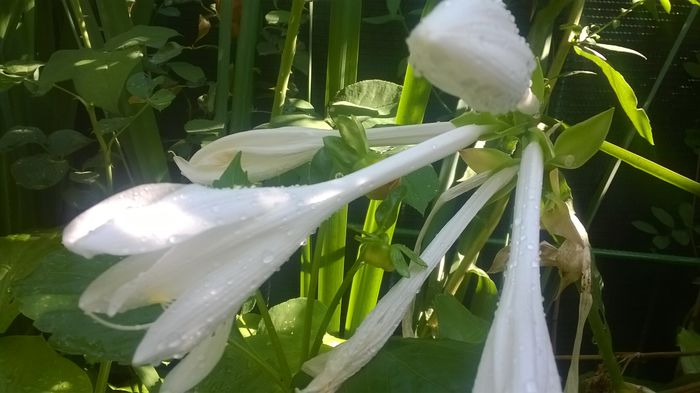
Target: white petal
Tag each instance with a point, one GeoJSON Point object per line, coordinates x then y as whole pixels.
{"type": "Point", "coordinates": [110, 208]}
{"type": "Point", "coordinates": [97, 296]}
{"type": "Point", "coordinates": [375, 330]}
{"type": "Point", "coordinates": [406, 135]}
{"type": "Point", "coordinates": [472, 49]}
{"type": "Point", "coordinates": [199, 362]}
{"type": "Point", "coordinates": [518, 354]}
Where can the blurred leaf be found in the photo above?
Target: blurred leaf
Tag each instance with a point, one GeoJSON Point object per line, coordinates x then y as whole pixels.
{"type": "Point", "coordinates": [393, 6]}
{"type": "Point", "coordinates": [681, 237]}
{"type": "Point", "coordinates": [578, 143]}
{"type": "Point", "coordinates": [421, 188]}
{"type": "Point", "coordinates": [369, 98]}
{"type": "Point", "coordinates": [39, 171]}
{"type": "Point", "coordinates": [625, 94]}
{"type": "Point", "coordinates": [20, 136]}
{"type": "Point", "coordinates": [379, 20]}
{"type": "Point", "coordinates": [456, 322]}
{"type": "Point", "coordinates": [152, 36]}
{"type": "Point", "coordinates": [619, 49]}
{"type": "Point", "coordinates": [167, 52]}
{"type": "Point", "coordinates": [188, 72]}
{"type": "Point", "coordinates": [203, 125]}
{"type": "Point", "coordinates": [418, 366]}
{"type": "Point", "coordinates": [663, 216]}
{"type": "Point", "coordinates": [64, 142]}
{"type": "Point", "coordinates": [50, 296]}
{"type": "Point", "coordinates": [277, 17]}
{"type": "Point", "coordinates": [161, 99]}
{"type": "Point", "coordinates": [661, 242]}
{"type": "Point", "coordinates": [666, 5]}
{"type": "Point", "coordinates": [645, 227]}
{"type": "Point", "coordinates": [29, 364]}
{"type": "Point", "coordinates": [689, 341]}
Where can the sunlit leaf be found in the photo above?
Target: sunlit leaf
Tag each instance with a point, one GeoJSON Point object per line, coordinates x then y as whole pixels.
{"type": "Point", "coordinates": [39, 171]}
{"type": "Point", "coordinates": [578, 143]}
{"type": "Point", "coordinates": [421, 188]}
{"type": "Point", "coordinates": [64, 142]}
{"type": "Point", "coordinates": [456, 322]}
{"type": "Point", "coordinates": [20, 136]}
{"type": "Point", "coordinates": [625, 94]}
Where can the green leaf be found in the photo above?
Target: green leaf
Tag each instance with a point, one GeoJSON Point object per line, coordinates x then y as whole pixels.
{"type": "Point", "coordinates": [661, 242]}
{"type": "Point", "coordinates": [167, 52]}
{"type": "Point", "coordinates": [538, 85]}
{"type": "Point", "coordinates": [645, 227]}
{"type": "Point", "coordinates": [456, 322]}
{"type": "Point", "coordinates": [353, 134]}
{"type": "Point", "coordinates": [99, 77]}
{"type": "Point", "coordinates": [663, 216]}
{"type": "Point", "coordinates": [681, 236]}
{"type": "Point", "coordinates": [234, 175]}
{"type": "Point", "coordinates": [112, 124]}
{"type": "Point", "coordinates": [689, 341]}
{"type": "Point", "coordinates": [399, 262]}
{"type": "Point", "coordinates": [20, 136]}
{"type": "Point", "coordinates": [484, 294]}
{"type": "Point", "coordinates": [666, 5]}
{"type": "Point", "coordinates": [625, 94]}
{"type": "Point", "coordinates": [343, 155]}
{"type": "Point", "coordinates": [418, 366]}
{"type": "Point", "coordinates": [578, 143]}
{"type": "Point", "coordinates": [388, 210]}
{"type": "Point", "coordinates": [540, 34]}
{"type": "Point", "coordinates": [393, 6]}
{"type": "Point", "coordinates": [64, 142]}
{"type": "Point", "coordinates": [152, 36]}
{"type": "Point", "coordinates": [188, 72]}
{"type": "Point", "coordinates": [277, 17]}
{"type": "Point", "coordinates": [203, 125]}
{"type": "Point", "coordinates": [39, 171]}
{"type": "Point", "coordinates": [28, 364]}
{"type": "Point", "coordinates": [484, 159]}
{"type": "Point", "coordinates": [375, 99]}
{"type": "Point", "coordinates": [421, 188]}
{"type": "Point", "coordinates": [50, 296]}
{"type": "Point", "coordinates": [140, 85]}
{"type": "Point", "coordinates": [161, 99]}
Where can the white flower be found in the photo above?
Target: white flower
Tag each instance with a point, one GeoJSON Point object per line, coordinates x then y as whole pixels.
{"type": "Point", "coordinates": [203, 251]}
{"type": "Point", "coordinates": [271, 152]}
{"type": "Point", "coordinates": [518, 355]}
{"type": "Point", "coordinates": [472, 49]}
{"type": "Point", "coordinates": [333, 368]}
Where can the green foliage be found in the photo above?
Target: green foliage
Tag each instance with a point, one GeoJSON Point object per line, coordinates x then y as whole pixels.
{"type": "Point", "coordinates": [624, 93]}
{"type": "Point", "coordinates": [421, 188]}
{"type": "Point", "coordinates": [234, 175]}
{"type": "Point", "coordinates": [456, 322]}
{"type": "Point", "coordinates": [578, 143]}
{"type": "Point", "coordinates": [372, 101]}
{"type": "Point", "coordinates": [29, 363]}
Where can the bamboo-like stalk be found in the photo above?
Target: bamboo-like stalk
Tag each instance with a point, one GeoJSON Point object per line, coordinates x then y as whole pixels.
{"type": "Point", "coordinates": [290, 45]}
{"type": "Point", "coordinates": [242, 95]}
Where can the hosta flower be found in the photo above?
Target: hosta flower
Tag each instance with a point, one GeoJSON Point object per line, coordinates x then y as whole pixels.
{"type": "Point", "coordinates": [271, 152]}
{"type": "Point", "coordinates": [203, 251]}
{"type": "Point", "coordinates": [333, 368]}
{"type": "Point", "coordinates": [518, 354]}
{"type": "Point", "coordinates": [472, 50]}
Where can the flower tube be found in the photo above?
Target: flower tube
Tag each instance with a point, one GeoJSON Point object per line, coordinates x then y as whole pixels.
{"type": "Point", "coordinates": [271, 152]}
{"type": "Point", "coordinates": [472, 49]}
{"type": "Point", "coordinates": [518, 354]}
{"type": "Point", "coordinates": [333, 368]}
{"type": "Point", "coordinates": [205, 250]}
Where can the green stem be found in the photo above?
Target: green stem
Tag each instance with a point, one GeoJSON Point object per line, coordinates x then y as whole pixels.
{"type": "Point", "coordinates": [343, 45]}
{"type": "Point", "coordinates": [414, 98]}
{"type": "Point", "coordinates": [290, 44]}
{"type": "Point", "coordinates": [274, 338]}
{"type": "Point", "coordinates": [332, 266]}
{"type": "Point", "coordinates": [103, 377]}
{"type": "Point", "coordinates": [223, 62]}
{"type": "Point", "coordinates": [332, 306]}
{"type": "Point", "coordinates": [242, 95]}
{"type": "Point", "coordinates": [651, 168]}
{"type": "Point", "coordinates": [312, 291]}
{"type": "Point", "coordinates": [305, 274]}
{"type": "Point", "coordinates": [564, 48]}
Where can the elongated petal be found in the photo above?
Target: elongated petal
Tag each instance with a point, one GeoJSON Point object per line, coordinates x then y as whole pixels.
{"type": "Point", "coordinates": [518, 354]}
{"type": "Point", "coordinates": [472, 49]}
{"type": "Point", "coordinates": [345, 360]}
{"type": "Point", "coordinates": [199, 362]}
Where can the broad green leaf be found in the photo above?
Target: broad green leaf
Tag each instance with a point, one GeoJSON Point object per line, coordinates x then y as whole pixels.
{"type": "Point", "coordinates": [483, 294]}
{"type": "Point", "coordinates": [689, 341]}
{"type": "Point", "coordinates": [663, 216]}
{"type": "Point", "coordinates": [388, 210]}
{"type": "Point", "coordinates": [624, 93]}
{"type": "Point", "coordinates": [29, 364]}
{"type": "Point", "coordinates": [540, 35]}
{"type": "Point", "coordinates": [645, 227]}
{"type": "Point", "coordinates": [578, 143]}
{"type": "Point", "coordinates": [152, 36]}
{"type": "Point", "coordinates": [666, 5]}
{"type": "Point", "coordinates": [140, 85]}
{"type": "Point", "coordinates": [188, 72]}
{"type": "Point", "coordinates": [234, 175]}
{"type": "Point", "coordinates": [39, 171]}
{"type": "Point", "coordinates": [161, 99]}
{"type": "Point", "coordinates": [20, 136]}
{"type": "Point", "coordinates": [20, 67]}
{"type": "Point", "coordinates": [64, 142]}
{"type": "Point", "coordinates": [456, 322]}
{"type": "Point", "coordinates": [421, 188]}
{"type": "Point", "coordinates": [418, 366]}
{"type": "Point", "coordinates": [112, 124]}
{"type": "Point", "coordinates": [167, 52]}
{"type": "Point", "coordinates": [480, 160]}
{"type": "Point", "coordinates": [370, 98]}
{"type": "Point", "coordinates": [19, 256]}
{"type": "Point", "coordinates": [538, 84]}
{"type": "Point", "coordinates": [353, 134]}
{"type": "Point", "coordinates": [50, 296]}
{"type": "Point", "coordinates": [98, 77]}
{"type": "Point", "coordinates": [620, 49]}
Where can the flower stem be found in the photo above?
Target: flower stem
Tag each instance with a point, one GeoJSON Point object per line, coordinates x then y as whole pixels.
{"type": "Point", "coordinates": [102, 377]}
{"type": "Point", "coordinates": [290, 45]}
{"type": "Point", "coordinates": [274, 338]}
{"type": "Point", "coordinates": [332, 267]}
{"type": "Point", "coordinates": [225, 13]}
{"type": "Point", "coordinates": [242, 95]}
{"type": "Point", "coordinates": [564, 48]}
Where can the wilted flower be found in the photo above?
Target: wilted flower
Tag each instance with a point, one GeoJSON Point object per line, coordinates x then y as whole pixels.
{"type": "Point", "coordinates": [203, 250]}
{"type": "Point", "coordinates": [518, 354]}
{"type": "Point", "coordinates": [271, 152]}
{"type": "Point", "coordinates": [472, 49]}
{"type": "Point", "coordinates": [333, 368]}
